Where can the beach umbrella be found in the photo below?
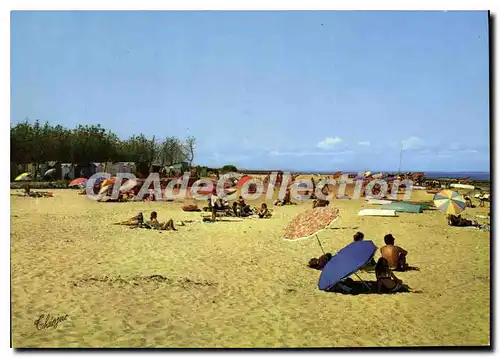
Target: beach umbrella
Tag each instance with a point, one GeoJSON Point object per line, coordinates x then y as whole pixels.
{"type": "Point", "coordinates": [50, 172]}
{"type": "Point", "coordinates": [109, 181]}
{"type": "Point", "coordinates": [346, 262]}
{"type": "Point", "coordinates": [449, 202]}
{"type": "Point", "coordinates": [129, 185]}
{"type": "Point", "coordinates": [23, 176]}
{"type": "Point", "coordinates": [104, 189]}
{"type": "Point", "coordinates": [243, 180]}
{"type": "Point", "coordinates": [310, 222]}
{"type": "Point", "coordinates": [78, 181]}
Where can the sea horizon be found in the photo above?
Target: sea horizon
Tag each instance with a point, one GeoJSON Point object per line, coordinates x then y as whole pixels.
{"type": "Point", "coordinates": [475, 175]}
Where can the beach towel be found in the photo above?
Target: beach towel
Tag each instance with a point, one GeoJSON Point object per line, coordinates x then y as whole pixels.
{"type": "Point", "coordinates": [192, 207]}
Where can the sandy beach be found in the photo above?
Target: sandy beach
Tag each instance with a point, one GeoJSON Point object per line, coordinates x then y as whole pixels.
{"type": "Point", "coordinates": [235, 284]}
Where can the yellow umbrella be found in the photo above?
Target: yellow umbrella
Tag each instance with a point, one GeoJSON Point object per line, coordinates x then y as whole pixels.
{"type": "Point", "coordinates": [449, 202]}
{"type": "Point", "coordinates": [23, 176]}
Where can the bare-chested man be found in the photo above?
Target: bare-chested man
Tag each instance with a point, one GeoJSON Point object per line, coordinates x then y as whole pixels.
{"type": "Point", "coordinates": [395, 255]}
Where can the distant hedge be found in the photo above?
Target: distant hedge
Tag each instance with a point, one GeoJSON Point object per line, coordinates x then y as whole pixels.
{"type": "Point", "coordinates": [59, 184]}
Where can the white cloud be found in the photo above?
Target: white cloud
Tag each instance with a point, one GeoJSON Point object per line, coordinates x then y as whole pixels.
{"type": "Point", "coordinates": [329, 142]}
{"type": "Point", "coordinates": [367, 144]}
{"type": "Point", "coordinates": [306, 153]}
{"type": "Point", "coordinates": [412, 143]}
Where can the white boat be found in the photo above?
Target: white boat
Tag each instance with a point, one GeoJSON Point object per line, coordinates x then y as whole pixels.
{"type": "Point", "coordinates": [376, 212]}
{"type": "Point", "coordinates": [462, 186]}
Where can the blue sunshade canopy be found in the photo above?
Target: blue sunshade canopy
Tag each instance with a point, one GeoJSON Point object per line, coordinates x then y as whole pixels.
{"type": "Point", "coordinates": [346, 262]}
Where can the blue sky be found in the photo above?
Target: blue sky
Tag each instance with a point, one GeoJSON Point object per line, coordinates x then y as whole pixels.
{"type": "Point", "coordinates": [280, 90]}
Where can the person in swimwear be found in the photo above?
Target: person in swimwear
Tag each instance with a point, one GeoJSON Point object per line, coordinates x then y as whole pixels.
{"type": "Point", "coordinates": [153, 223]}
{"type": "Point", "coordinates": [457, 220]}
{"type": "Point", "coordinates": [264, 212]}
{"type": "Point", "coordinates": [395, 255]}
{"type": "Point", "coordinates": [245, 209]}
{"type": "Point", "coordinates": [135, 221]}
{"type": "Point", "coordinates": [320, 203]}
{"type": "Point", "coordinates": [387, 282]}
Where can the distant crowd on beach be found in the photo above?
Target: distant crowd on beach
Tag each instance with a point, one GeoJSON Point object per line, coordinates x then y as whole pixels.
{"type": "Point", "coordinates": [300, 188]}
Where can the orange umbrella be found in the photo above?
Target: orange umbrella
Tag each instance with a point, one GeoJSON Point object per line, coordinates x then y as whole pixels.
{"type": "Point", "coordinates": [108, 181]}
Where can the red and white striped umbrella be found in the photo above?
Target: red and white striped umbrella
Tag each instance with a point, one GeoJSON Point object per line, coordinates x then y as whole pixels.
{"type": "Point", "coordinates": [310, 222]}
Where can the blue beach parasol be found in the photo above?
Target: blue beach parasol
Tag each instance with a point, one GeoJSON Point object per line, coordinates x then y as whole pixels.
{"type": "Point", "coordinates": [346, 262]}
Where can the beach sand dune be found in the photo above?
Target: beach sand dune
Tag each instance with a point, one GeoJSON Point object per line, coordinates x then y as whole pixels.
{"type": "Point", "coordinates": [234, 284]}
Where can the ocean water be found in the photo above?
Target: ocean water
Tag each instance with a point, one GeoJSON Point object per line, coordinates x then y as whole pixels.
{"type": "Point", "coordinates": [472, 175]}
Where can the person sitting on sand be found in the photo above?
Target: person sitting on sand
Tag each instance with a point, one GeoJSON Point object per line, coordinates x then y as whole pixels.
{"type": "Point", "coordinates": [263, 212]}
{"type": "Point", "coordinates": [135, 221]}
{"type": "Point", "coordinates": [286, 200]}
{"type": "Point", "coordinates": [236, 209]}
{"type": "Point", "coordinates": [387, 282]}
{"type": "Point", "coordinates": [359, 236]}
{"type": "Point", "coordinates": [468, 202]}
{"type": "Point", "coordinates": [245, 209]}
{"type": "Point", "coordinates": [153, 223]}
{"type": "Point", "coordinates": [395, 255]}
{"type": "Point", "coordinates": [457, 220]}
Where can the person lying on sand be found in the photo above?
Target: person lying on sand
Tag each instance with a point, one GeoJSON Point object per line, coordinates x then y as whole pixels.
{"type": "Point", "coordinates": [319, 263]}
{"type": "Point", "coordinates": [395, 255]}
{"type": "Point", "coordinates": [387, 282]}
{"type": "Point", "coordinates": [153, 223]}
{"type": "Point", "coordinates": [135, 221]}
{"type": "Point", "coordinates": [320, 203]}
{"type": "Point", "coordinates": [457, 220]}
{"type": "Point", "coordinates": [263, 212]}
{"type": "Point", "coordinates": [36, 194]}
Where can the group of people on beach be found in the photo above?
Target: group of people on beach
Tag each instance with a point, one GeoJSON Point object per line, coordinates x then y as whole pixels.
{"type": "Point", "coordinates": [153, 223]}
{"type": "Point", "coordinates": [392, 258]}
{"type": "Point", "coordinates": [35, 194]}
{"type": "Point", "coordinates": [239, 208]}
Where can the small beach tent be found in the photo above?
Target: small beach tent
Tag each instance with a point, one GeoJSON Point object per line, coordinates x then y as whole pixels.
{"type": "Point", "coordinates": [403, 207]}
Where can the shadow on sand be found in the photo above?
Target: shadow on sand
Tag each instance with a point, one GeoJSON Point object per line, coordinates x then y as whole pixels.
{"type": "Point", "coordinates": [368, 287]}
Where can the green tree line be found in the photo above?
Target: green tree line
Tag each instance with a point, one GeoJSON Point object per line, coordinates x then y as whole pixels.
{"type": "Point", "coordinates": [39, 143]}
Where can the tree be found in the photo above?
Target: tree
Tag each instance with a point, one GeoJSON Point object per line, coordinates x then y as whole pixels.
{"type": "Point", "coordinates": [189, 147]}
{"type": "Point", "coordinates": [228, 168]}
